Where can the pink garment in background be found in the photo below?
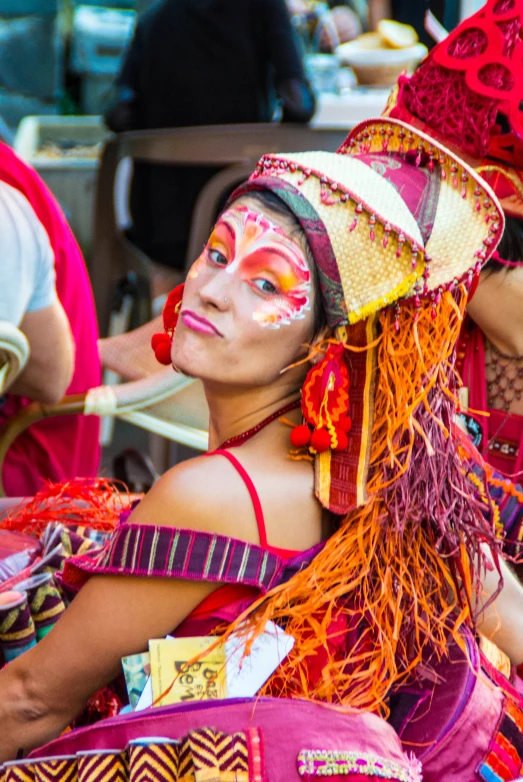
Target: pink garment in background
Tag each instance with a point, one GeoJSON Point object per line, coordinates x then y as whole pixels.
{"type": "Point", "coordinates": [65, 447]}
{"type": "Point", "coordinates": [498, 436]}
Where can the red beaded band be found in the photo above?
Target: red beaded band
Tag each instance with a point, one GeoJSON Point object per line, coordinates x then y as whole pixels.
{"type": "Point", "coordinates": [242, 438]}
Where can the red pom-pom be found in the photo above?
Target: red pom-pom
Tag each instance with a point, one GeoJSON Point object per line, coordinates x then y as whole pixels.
{"type": "Point", "coordinates": [300, 436]}
{"type": "Point", "coordinates": [345, 424]}
{"type": "Point", "coordinates": [162, 351]}
{"type": "Point", "coordinates": [156, 339]}
{"type": "Point", "coordinates": [321, 440]}
{"type": "Point", "coordinates": [343, 440]}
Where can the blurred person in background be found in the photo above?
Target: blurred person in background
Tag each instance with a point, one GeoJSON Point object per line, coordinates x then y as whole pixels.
{"type": "Point", "coordinates": [45, 291]}
{"type": "Point", "coordinates": [200, 62]}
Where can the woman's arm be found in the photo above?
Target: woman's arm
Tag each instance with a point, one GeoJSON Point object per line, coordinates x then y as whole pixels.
{"type": "Point", "coordinates": [497, 308]}
{"type": "Point", "coordinates": [114, 616]}
{"type": "Point", "coordinates": [502, 622]}
{"type": "Point", "coordinates": [45, 688]}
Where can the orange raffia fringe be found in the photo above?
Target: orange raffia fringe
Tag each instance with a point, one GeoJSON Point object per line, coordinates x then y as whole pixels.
{"type": "Point", "coordinates": [85, 502]}
{"type": "Point", "coordinates": [381, 594]}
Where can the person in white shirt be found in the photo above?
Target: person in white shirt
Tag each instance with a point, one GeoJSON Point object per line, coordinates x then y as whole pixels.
{"type": "Point", "coordinates": [29, 301]}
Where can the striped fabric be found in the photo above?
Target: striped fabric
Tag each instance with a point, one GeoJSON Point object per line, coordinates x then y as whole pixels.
{"type": "Point", "coordinates": [504, 760]}
{"type": "Point", "coordinates": [203, 755]}
{"type": "Point", "coordinates": [140, 550]}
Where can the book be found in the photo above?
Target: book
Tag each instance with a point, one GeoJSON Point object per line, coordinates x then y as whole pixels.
{"type": "Point", "coordinates": [188, 669]}
{"type": "Point", "coordinates": [177, 677]}
{"type": "Point", "coordinates": [136, 671]}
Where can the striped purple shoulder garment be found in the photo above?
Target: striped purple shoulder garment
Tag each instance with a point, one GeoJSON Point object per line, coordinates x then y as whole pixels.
{"type": "Point", "coordinates": [149, 551]}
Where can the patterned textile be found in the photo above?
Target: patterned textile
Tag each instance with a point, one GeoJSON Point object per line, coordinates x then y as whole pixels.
{"type": "Point", "coordinates": [504, 760]}
{"type": "Point", "coordinates": [102, 766]}
{"type": "Point", "coordinates": [318, 763]}
{"type": "Point", "coordinates": [19, 772]}
{"type": "Point", "coordinates": [45, 603]}
{"type": "Point", "coordinates": [57, 770]}
{"type": "Point", "coordinates": [210, 754]}
{"type": "Point", "coordinates": [153, 762]}
{"type": "Point", "coordinates": [204, 755]}
{"type": "Point", "coordinates": [17, 630]}
{"type": "Point", "coordinates": [510, 506]}
{"type": "Point", "coordinates": [139, 550]}
{"type": "Point", "coordinates": [508, 500]}
{"type": "Point", "coordinates": [340, 477]}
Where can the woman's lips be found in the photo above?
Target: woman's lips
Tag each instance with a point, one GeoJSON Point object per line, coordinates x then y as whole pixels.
{"type": "Point", "coordinates": [197, 323]}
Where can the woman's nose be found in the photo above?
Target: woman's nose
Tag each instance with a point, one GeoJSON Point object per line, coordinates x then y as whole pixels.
{"type": "Point", "coordinates": [217, 292]}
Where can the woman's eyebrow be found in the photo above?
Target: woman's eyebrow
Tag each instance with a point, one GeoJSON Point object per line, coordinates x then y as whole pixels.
{"type": "Point", "coordinates": [228, 227]}
{"type": "Point", "coordinates": [286, 256]}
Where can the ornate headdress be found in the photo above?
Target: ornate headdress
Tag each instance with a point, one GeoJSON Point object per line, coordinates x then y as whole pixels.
{"type": "Point", "coordinates": [398, 227]}
{"type": "Point", "coordinates": [393, 219]}
{"type": "Point", "coordinates": [468, 93]}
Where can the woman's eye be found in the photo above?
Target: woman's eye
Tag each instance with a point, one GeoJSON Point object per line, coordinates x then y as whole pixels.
{"type": "Point", "coordinates": [217, 257]}
{"type": "Point", "coordinates": [265, 286]}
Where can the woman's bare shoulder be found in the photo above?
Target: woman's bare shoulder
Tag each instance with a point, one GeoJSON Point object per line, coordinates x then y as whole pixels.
{"type": "Point", "coordinates": [204, 493]}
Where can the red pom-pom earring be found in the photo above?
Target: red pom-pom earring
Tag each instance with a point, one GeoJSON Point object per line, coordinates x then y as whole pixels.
{"type": "Point", "coordinates": [162, 342]}
{"type": "Point", "coordinates": [325, 405]}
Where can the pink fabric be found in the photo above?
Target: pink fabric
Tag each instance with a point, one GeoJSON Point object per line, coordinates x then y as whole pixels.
{"type": "Point", "coordinates": [65, 447]}
{"type": "Point", "coordinates": [452, 728]}
{"type": "Point", "coordinates": [288, 727]}
{"type": "Point", "coordinates": [497, 425]}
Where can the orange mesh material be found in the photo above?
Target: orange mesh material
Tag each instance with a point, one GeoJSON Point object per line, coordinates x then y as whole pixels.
{"type": "Point", "coordinates": [95, 503]}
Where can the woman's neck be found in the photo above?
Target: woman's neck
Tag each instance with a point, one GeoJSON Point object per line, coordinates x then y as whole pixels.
{"type": "Point", "coordinates": [233, 412]}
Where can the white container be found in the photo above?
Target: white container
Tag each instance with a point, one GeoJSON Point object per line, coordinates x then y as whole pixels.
{"type": "Point", "coordinates": [100, 36]}
{"type": "Point", "coordinates": [380, 67]}
{"type": "Point", "coordinates": [66, 151]}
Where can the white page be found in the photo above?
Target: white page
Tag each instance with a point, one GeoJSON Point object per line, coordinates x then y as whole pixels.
{"type": "Point", "coordinates": [244, 676]}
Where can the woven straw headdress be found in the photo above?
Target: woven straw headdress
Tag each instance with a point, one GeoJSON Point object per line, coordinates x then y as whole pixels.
{"type": "Point", "coordinates": [392, 217]}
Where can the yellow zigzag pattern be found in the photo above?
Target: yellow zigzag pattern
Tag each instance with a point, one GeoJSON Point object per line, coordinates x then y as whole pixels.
{"type": "Point", "coordinates": [154, 763]}
{"type": "Point", "coordinates": [103, 768]}
{"type": "Point", "coordinates": [61, 770]}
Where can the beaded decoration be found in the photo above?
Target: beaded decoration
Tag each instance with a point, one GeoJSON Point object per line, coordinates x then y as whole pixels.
{"type": "Point", "coordinates": [328, 763]}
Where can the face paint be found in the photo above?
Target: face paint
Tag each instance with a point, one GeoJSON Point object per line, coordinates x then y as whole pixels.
{"type": "Point", "coordinates": [247, 244]}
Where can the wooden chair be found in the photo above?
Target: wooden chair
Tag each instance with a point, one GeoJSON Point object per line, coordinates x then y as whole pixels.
{"type": "Point", "coordinates": [233, 149]}
{"type": "Point", "coordinates": [14, 354]}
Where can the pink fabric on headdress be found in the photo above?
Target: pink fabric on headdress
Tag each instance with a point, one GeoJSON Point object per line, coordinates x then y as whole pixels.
{"type": "Point", "coordinates": [416, 183]}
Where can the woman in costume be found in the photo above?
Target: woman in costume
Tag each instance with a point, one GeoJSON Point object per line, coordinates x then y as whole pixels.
{"type": "Point", "coordinates": [467, 93]}
{"type": "Point", "coordinates": [330, 296]}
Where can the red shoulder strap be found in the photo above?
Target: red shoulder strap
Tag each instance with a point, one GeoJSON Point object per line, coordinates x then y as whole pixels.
{"type": "Point", "coordinates": [258, 511]}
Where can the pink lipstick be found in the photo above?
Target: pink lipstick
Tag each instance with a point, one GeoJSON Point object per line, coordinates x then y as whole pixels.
{"type": "Point", "coordinates": [197, 323]}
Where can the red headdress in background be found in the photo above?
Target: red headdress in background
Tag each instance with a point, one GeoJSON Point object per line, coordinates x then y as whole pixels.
{"type": "Point", "coordinates": [468, 93]}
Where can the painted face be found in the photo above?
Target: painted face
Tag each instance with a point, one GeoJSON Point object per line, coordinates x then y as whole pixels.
{"type": "Point", "coordinates": [247, 244]}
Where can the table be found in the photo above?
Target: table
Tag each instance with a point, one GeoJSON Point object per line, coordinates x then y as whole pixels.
{"type": "Point", "coordinates": [342, 112]}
